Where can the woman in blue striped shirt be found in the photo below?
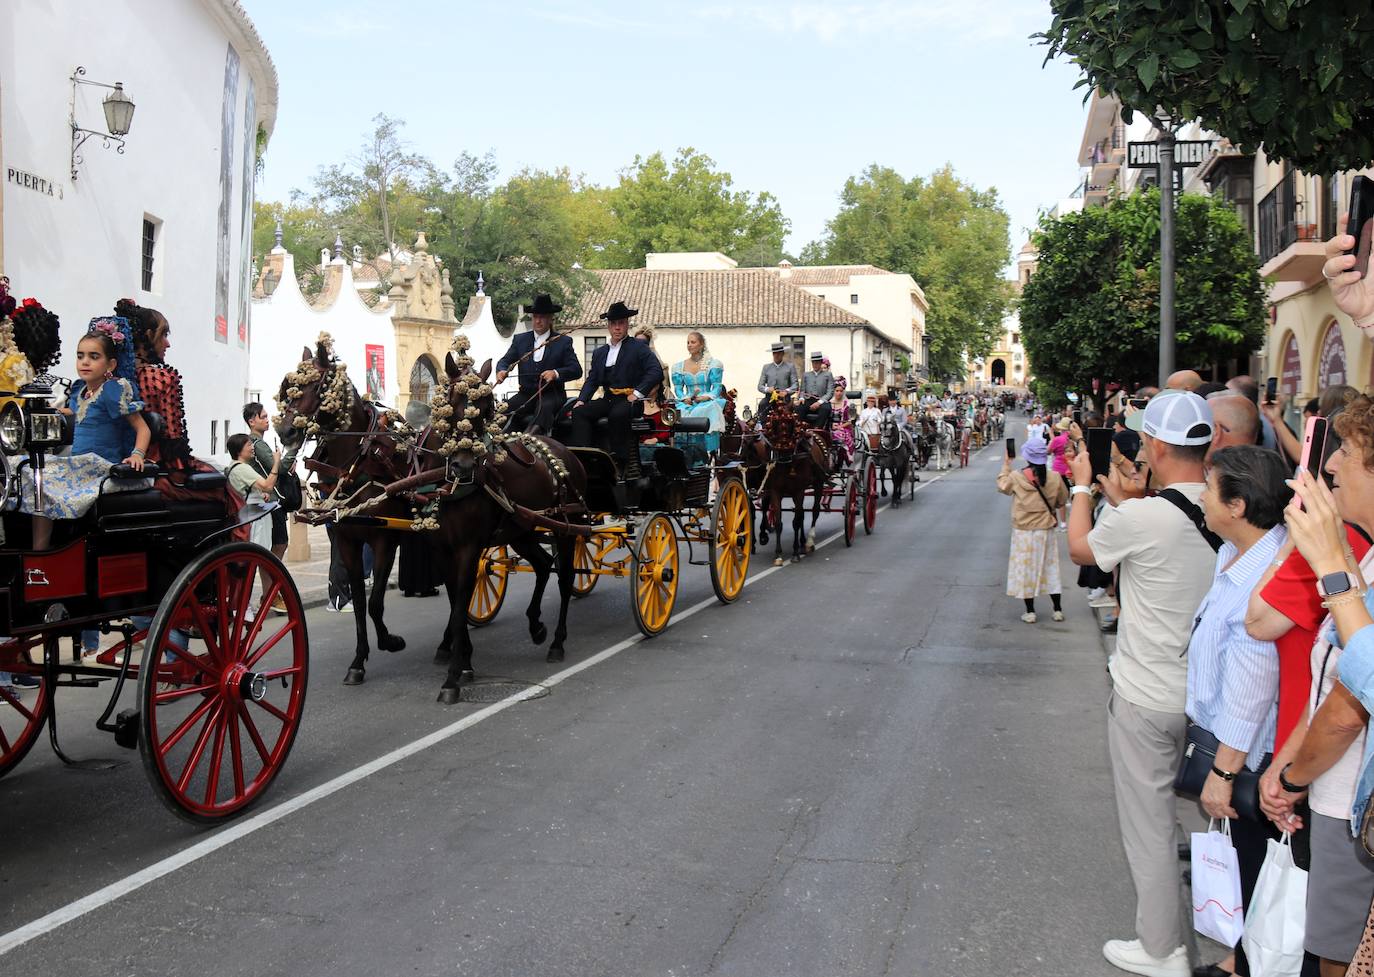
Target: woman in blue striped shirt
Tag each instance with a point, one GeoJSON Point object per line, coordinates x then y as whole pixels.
{"type": "Point", "coordinates": [1233, 679]}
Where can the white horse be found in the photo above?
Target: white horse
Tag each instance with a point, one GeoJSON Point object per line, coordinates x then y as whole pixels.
{"type": "Point", "coordinates": [945, 444]}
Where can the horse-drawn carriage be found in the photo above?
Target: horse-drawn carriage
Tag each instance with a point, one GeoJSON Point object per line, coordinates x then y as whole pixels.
{"type": "Point", "coordinates": [635, 525]}
{"type": "Point", "coordinates": [220, 679]}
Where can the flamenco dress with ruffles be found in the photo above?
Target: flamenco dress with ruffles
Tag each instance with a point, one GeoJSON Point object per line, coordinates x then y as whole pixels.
{"type": "Point", "coordinates": [701, 394]}
{"type": "Point", "coordinates": [101, 437]}
{"type": "Point", "coordinates": [161, 388]}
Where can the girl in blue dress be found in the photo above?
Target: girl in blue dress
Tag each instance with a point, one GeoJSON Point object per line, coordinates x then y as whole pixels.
{"type": "Point", "coordinates": [108, 429]}
{"type": "Point", "coordinates": [699, 382]}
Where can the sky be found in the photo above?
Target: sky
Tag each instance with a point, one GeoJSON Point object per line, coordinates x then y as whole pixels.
{"type": "Point", "coordinates": [788, 97]}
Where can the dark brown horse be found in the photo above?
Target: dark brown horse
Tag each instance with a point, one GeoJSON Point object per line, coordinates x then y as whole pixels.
{"type": "Point", "coordinates": [787, 460]}
{"type": "Point", "coordinates": [499, 491]}
{"type": "Point", "coordinates": [357, 453]}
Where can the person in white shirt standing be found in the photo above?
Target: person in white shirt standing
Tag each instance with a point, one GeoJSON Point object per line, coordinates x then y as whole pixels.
{"type": "Point", "coordinates": [1166, 566]}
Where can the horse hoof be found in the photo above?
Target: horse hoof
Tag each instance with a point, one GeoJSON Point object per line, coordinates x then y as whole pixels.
{"type": "Point", "coordinates": [538, 633]}
{"type": "Point", "coordinates": [448, 696]}
{"type": "Point", "coordinates": [466, 675]}
{"type": "Point", "coordinates": [442, 656]}
{"type": "Point", "coordinates": [796, 559]}
{"type": "Point", "coordinates": [354, 677]}
{"type": "Point", "coordinates": [778, 562]}
{"type": "Point", "coordinates": [392, 643]}
{"type": "Point", "coordinates": [555, 655]}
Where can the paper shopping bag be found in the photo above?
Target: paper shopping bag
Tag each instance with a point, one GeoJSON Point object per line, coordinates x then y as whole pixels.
{"type": "Point", "coordinates": [1216, 886]}
{"type": "Point", "coordinates": [1277, 920]}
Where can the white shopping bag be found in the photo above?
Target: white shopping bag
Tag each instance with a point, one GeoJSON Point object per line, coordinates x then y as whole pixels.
{"type": "Point", "coordinates": [1277, 920]}
{"type": "Point", "coordinates": [1217, 909]}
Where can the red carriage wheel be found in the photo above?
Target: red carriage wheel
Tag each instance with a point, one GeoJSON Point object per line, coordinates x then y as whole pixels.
{"type": "Point", "coordinates": [870, 496]}
{"type": "Point", "coordinates": [222, 683]}
{"type": "Point", "coordinates": [851, 509]}
{"type": "Point", "coordinates": [22, 715]}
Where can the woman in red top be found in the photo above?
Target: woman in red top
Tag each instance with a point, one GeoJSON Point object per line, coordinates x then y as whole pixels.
{"type": "Point", "coordinates": [159, 383]}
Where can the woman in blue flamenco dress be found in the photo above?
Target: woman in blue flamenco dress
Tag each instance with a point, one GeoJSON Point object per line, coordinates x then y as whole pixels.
{"type": "Point", "coordinates": [108, 429]}
{"type": "Point", "coordinates": [699, 383]}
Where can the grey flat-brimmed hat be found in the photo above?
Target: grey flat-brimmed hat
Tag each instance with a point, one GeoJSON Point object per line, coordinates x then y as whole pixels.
{"type": "Point", "coordinates": [779, 348]}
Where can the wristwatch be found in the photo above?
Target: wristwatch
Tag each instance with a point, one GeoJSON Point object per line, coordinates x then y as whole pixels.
{"type": "Point", "coordinates": [1286, 784]}
{"type": "Point", "coordinates": [1334, 584]}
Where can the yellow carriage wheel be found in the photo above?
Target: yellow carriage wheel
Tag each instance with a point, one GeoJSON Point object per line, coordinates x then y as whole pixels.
{"type": "Point", "coordinates": [585, 562]}
{"type": "Point", "coordinates": [654, 574]}
{"type": "Point", "coordinates": [493, 569]}
{"type": "Point", "coordinates": [731, 540]}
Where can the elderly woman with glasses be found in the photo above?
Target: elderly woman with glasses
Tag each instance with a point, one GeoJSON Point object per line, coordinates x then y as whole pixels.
{"type": "Point", "coordinates": [1233, 678]}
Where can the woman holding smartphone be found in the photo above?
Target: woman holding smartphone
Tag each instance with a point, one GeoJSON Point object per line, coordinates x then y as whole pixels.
{"type": "Point", "coordinates": [1037, 493]}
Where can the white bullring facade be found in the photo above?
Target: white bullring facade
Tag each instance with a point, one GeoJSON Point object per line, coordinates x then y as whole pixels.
{"type": "Point", "coordinates": [167, 221]}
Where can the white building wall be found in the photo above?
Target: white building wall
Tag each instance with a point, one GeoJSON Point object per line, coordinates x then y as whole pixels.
{"type": "Point", "coordinates": [284, 322]}
{"type": "Point", "coordinates": [887, 301]}
{"type": "Point", "coordinates": [76, 246]}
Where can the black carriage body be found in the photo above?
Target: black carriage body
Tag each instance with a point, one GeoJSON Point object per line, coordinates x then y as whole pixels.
{"type": "Point", "coordinates": [121, 560]}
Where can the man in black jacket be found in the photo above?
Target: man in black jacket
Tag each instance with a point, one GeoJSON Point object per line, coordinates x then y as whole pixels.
{"type": "Point", "coordinates": [627, 370]}
{"type": "Point", "coordinates": [543, 361]}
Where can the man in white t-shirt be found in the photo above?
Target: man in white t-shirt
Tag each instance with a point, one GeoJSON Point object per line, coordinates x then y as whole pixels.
{"type": "Point", "coordinates": [1166, 569]}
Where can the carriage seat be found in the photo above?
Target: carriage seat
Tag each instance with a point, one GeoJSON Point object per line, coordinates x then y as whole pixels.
{"type": "Point", "coordinates": [147, 508]}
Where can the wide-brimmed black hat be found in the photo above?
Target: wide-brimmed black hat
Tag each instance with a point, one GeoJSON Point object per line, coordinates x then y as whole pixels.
{"type": "Point", "coordinates": [543, 305]}
{"type": "Point", "coordinates": [619, 310]}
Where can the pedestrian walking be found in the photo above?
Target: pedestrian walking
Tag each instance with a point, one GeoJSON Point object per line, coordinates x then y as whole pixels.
{"type": "Point", "coordinates": [1037, 494]}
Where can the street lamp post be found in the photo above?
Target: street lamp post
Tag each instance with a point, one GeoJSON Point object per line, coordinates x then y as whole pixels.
{"type": "Point", "coordinates": [1167, 257]}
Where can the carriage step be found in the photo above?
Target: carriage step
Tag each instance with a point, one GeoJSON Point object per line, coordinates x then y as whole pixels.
{"type": "Point", "coordinates": [81, 683]}
{"type": "Point", "coordinates": [126, 729]}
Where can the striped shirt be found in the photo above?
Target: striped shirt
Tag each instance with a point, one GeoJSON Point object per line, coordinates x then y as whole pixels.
{"type": "Point", "coordinates": [1233, 679]}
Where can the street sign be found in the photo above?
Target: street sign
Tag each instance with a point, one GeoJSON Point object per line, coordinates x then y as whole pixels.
{"type": "Point", "coordinates": [1187, 152]}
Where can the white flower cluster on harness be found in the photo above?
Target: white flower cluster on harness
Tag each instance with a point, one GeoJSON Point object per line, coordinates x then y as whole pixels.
{"type": "Point", "coordinates": [336, 399]}
{"type": "Point", "coordinates": [468, 432]}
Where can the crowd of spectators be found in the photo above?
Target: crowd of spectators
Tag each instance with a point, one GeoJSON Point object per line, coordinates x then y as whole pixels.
{"type": "Point", "coordinates": [1239, 582]}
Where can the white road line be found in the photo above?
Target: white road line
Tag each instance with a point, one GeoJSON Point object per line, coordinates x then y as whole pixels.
{"type": "Point", "coordinates": [241, 829]}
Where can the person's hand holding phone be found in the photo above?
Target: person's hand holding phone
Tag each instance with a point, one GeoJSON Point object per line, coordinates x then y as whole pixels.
{"type": "Point", "coordinates": [1315, 524]}
{"type": "Point", "coordinates": [1351, 287]}
{"type": "Point", "coordinates": [1124, 481]}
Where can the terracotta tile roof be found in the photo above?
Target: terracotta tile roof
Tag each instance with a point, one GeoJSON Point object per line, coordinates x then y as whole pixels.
{"type": "Point", "coordinates": [725, 297]}
{"type": "Point", "coordinates": [828, 274]}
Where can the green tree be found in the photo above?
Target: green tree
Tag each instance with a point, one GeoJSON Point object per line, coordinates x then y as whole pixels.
{"type": "Point", "coordinates": [306, 230]}
{"type": "Point", "coordinates": [532, 234]}
{"type": "Point", "coordinates": [1091, 310]}
{"type": "Point", "coordinates": [379, 196]}
{"type": "Point", "coordinates": [1294, 75]}
{"type": "Point", "coordinates": [952, 238]}
{"type": "Point", "coordinates": [687, 205]}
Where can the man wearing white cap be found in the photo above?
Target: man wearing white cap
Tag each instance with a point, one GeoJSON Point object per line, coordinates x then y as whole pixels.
{"type": "Point", "coordinates": [1166, 567]}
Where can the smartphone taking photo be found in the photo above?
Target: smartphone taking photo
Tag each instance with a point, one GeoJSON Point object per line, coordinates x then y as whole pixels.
{"type": "Point", "coordinates": [1011, 447]}
{"type": "Point", "coordinates": [1099, 450]}
{"type": "Point", "coordinates": [1271, 390]}
{"type": "Point", "coordinates": [1313, 447]}
{"type": "Point", "coordinates": [1358, 223]}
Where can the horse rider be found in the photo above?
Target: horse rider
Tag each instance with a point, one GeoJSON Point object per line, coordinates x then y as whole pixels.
{"type": "Point", "coordinates": [817, 387]}
{"type": "Point", "coordinates": [778, 377]}
{"type": "Point", "coordinates": [627, 370]}
{"type": "Point", "coordinates": [544, 361]}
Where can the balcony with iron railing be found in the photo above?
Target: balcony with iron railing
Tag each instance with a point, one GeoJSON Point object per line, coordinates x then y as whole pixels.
{"type": "Point", "coordinates": [1288, 247]}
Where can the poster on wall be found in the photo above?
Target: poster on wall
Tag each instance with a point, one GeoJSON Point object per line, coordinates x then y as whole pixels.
{"type": "Point", "coordinates": [250, 146]}
{"type": "Point", "coordinates": [1331, 370]}
{"type": "Point", "coordinates": [376, 372]}
{"type": "Point", "coordinates": [226, 188]}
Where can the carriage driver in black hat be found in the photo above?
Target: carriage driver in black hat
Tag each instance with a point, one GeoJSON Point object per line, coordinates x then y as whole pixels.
{"type": "Point", "coordinates": [627, 369]}
{"type": "Point", "coordinates": [817, 387]}
{"type": "Point", "coordinates": [543, 361]}
{"type": "Point", "coordinates": [777, 377]}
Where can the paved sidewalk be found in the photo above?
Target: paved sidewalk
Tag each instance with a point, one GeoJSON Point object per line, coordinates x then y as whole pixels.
{"type": "Point", "coordinates": [312, 575]}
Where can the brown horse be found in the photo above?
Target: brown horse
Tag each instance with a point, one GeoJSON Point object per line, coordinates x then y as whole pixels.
{"type": "Point", "coordinates": [787, 461]}
{"type": "Point", "coordinates": [357, 452]}
{"type": "Point", "coordinates": [499, 490]}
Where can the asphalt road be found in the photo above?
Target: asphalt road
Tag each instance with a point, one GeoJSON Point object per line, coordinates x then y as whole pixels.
{"type": "Point", "coordinates": [868, 765]}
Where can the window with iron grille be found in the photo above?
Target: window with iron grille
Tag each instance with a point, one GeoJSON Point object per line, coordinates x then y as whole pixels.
{"type": "Point", "coordinates": [853, 298]}
{"type": "Point", "coordinates": [590, 344]}
{"type": "Point", "coordinates": [796, 348]}
{"type": "Point", "coordinates": [149, 243]}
